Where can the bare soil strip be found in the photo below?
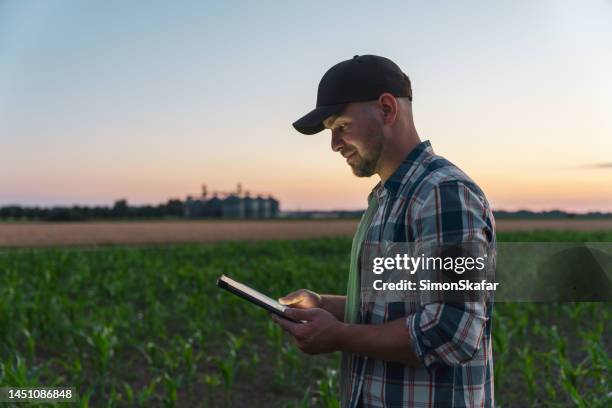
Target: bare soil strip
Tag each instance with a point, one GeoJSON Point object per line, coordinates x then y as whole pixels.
{"type": "Point", "coordinates": [163, 232]}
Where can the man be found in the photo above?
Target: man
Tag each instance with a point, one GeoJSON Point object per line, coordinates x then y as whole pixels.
{"type": "Point", "coordinates": [396, 354]}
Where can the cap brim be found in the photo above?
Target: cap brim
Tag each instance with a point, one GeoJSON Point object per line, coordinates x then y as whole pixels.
{"type": "Point", "coordinates": [312, 122]}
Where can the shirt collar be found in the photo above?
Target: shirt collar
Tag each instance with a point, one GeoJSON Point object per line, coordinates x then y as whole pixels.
{"type": "Point", "coordinates": [413, 159]}
{"type": "Point", "coordinates": [393, 183]}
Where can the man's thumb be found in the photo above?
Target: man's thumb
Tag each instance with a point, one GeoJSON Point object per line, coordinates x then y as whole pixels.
{"type": "Point", "coordinates": [290, 299]}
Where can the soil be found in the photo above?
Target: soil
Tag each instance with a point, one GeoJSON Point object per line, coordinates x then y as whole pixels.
{"type": "Point", "coordinates": [45, 234]}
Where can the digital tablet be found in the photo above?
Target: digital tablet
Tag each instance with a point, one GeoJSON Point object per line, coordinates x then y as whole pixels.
{"type": "Point", "coordinates": [254, 297]}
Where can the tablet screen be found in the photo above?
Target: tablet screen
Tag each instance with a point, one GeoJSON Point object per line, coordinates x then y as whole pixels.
{"type": "Point", "coordinates": [253, 293]}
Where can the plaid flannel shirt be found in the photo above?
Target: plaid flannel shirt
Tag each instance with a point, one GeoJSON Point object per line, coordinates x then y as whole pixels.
{"type": "Point", "coordinates": [428, 200]}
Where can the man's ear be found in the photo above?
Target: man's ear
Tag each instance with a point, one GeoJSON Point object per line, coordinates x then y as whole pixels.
{"type": "Point", "coordinates": [389, 107]}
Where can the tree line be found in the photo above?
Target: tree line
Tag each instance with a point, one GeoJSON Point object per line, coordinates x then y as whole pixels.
{"type": "Point", "coordinates": [175, 208]}
{"type": "Point", "coordinates": [119, 210]}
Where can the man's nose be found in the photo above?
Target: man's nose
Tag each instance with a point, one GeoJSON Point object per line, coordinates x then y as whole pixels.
{"type": "Point", "coordinates": [336, 142]}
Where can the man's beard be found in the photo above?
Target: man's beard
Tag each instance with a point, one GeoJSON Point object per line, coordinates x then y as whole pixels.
{"type": "Point", "coordinates": [365, 166]}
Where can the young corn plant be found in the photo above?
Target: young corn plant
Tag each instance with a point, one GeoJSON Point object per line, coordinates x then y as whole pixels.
{"type": "Point", "coordinates": [84, 399]}
{"type": "Point", "coordinates": [501, 345]}
{"type": "Point", "coordinates": [129, 393]}
{"type": "Point", "coordinates": [327, 392]}
{"type": "Point", "coordinates": [528, 370]}
{"type": "Point", "coordinates": [212, 382]}
{"type": "Point", "coordinates": [15, 372]}
{"type": "Point", "coordinates": [230, 365]}
{"type": "Point", "coordinates": [147, 394]}
{"type": "Point", "coordinates": [307, 400]}
{"type": "Point", "coordinates": [171, 387]}
{"type": "Point", "coordinates": [291, 361]}
{"type": "Point", "coordinates": [103, 340]}
{"type": "Point", "coordinates": [30, 342]}
{"type": "Point", "coordinates": [190, 358]}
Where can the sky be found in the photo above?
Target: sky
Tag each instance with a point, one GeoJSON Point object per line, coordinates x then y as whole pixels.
{"type": "Point", "coordinates": [149, 100]}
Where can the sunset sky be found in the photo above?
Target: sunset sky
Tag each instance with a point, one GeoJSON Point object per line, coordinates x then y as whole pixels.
{"type": "Point", "coordinates": [150, 100]}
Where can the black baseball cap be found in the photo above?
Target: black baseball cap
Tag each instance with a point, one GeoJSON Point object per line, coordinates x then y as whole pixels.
{"type": "Point", "coordinates": [359, 79]}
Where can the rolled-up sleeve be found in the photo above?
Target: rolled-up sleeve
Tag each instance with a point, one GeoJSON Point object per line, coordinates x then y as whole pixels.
{"type": "Point", "coordinates": [450, 333]}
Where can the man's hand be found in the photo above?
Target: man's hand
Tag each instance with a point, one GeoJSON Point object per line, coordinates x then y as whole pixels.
{"type": "Point", "coordinates": [307, 299]}
{"type": "Point", "coordinates": [321, 333]}
{"type": "Point", "coordinates": [302, 299]}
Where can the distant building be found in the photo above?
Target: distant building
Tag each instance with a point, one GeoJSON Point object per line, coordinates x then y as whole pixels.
{"type": "Point", "coordinates": [235, 204]}
{"type": "Point", "coordinates": [262, 207]}
{"type": "Point", "coordinates": [232, 207]}
{"type": "Point", "coordinates": [251, 207]}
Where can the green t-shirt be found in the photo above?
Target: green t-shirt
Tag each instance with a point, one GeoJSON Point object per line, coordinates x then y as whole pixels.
{"type": "Point", "coordinates": [353, 285]}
